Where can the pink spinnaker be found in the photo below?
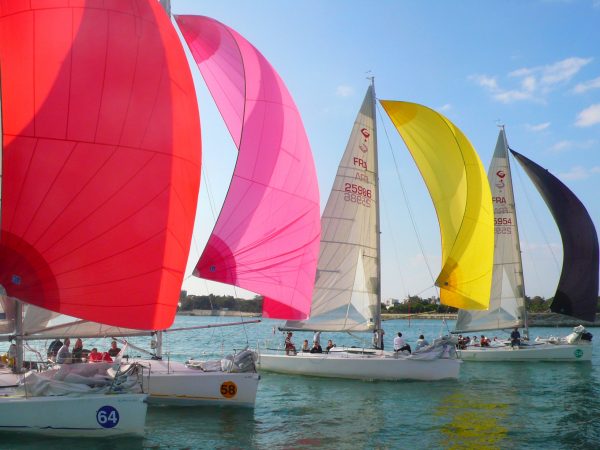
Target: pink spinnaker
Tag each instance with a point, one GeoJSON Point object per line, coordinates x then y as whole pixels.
{"type": "Point", "coordinates": [266, 238]}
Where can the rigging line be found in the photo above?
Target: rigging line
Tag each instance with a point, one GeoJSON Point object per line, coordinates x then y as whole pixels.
{"type": "Point", "coordinates": [394, 244]}
{"type": "Point", "coordinates": [537, 221]}
{"type": "Point", "coordinates": [408, 207]}
{"type": "Point", "coordinates": [241, 317]}
{"type": "Point", "coordinates": [211, 204]}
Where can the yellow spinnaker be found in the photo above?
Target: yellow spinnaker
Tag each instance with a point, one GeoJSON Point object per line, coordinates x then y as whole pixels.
{"type": "Point", "coordinates": [459, 188]}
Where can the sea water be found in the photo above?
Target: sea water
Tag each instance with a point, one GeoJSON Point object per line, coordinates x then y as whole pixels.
{"type": "Point", "coordinates": [490, 406]}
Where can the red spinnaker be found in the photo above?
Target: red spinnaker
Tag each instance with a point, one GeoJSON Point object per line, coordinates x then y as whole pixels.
{"type": "Point", "coordinates": [101, 159]}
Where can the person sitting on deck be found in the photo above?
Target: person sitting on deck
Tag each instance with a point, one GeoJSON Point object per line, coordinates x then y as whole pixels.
{"type": "Point", "coordinates": [400, 345]}
{"type": "Point", "coordinates": [515, 338]}
{"type": "Point", "coordinates": [316, 348]}
{"type": "Point", "coordinates": [114, 350]}
{"type": "Point", "coordinates": [421, 342]}
{"type": "Point", "coordinates": [290, 348]}
{"type": "Point", "coordinates": [78, 352]}
{"type": "Point", "coordinates": [484, 342]}
{"type": "Point", "coordinates": [95, 356]}
{"type": "Point", "coordinates": [305, 346]}
{"type": "Point", "coordinates": [64, 355]}
{"type": "Point", "coordinates": [330, 345]}
{"type": "Point", "coordinates": [54, 347]}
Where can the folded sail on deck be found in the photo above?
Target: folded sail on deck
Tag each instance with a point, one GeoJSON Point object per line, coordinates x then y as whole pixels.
{"type": "Point", "coordinates": [507, 300]}
{"type": "Point", "coordinates": [577, 291]}
{"type": "Point", "coordinates": [266, 238]}
{"type": "Point", "coordinates": [461, 195]}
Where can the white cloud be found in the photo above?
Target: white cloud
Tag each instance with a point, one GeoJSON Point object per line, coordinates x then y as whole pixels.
{"type": "Point", "coordinates": [512, 96]}
{"type": "Point", "coordinates": [589, 116]}
{"type": "Point", "coordinates": [579, 173]}
{"type": "Point", "coordinates": [562, 146]}
{"type": "Point", "coordinates": [562, 71]}
{"type": "Point", "coordinates": [533, 82]}
{"type": "Point", "coordinates": [344, 91]}
{"type": "Point", "coordinates": [587, 85]}
{"type": "Point", "coordinates": [485, 81]}
{"type": "Point", "coordinates": [538, 127]}
{"type": "Point", "coordinates": [446, 107]}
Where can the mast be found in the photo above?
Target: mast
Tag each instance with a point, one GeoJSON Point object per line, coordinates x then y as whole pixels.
{"type": "Point", "coordinates": [519, 268]}
{"type": "Point", "coordinates": [377, 219]}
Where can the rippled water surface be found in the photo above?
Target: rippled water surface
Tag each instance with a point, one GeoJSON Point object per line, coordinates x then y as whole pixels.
{"type": "Point", "coordinates": [491, 405]}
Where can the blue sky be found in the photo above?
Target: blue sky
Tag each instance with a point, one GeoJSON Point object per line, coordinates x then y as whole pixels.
{"type": "Point", "coordinates": [533, 66]}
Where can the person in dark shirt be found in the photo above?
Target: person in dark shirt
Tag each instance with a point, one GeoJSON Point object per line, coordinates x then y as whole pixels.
{"type": "Point", "coordinates": [316, 348]}
{"type": "Point", "coordinates": [54, 347]}
{"type": "Point", "coordinates": [515, 338]}
{"type": "Point", "coordinates": [77, 352]}
{"type": "Point", "coordinates": [114, 350]}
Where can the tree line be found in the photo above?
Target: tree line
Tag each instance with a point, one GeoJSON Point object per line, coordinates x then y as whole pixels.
{"type": "Point", "coordinates": [412, 305]}
{"type": "Point", "coordinates": [213, 302]}
{"type": "Point", "coordinates": [415, 305]}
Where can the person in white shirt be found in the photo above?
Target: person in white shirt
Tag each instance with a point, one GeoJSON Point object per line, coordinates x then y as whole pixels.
{"type": "Point", "coordinates": [64, 355]}
{"type": "Point", "coordinates": [400, 345]}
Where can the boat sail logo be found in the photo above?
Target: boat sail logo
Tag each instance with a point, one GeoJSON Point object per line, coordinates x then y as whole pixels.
{"type": "Point", "coordinates": [500, 182]}
{"type": "Point", "coordinates": [363, 145]}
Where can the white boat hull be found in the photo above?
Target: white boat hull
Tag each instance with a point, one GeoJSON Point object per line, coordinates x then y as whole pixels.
{"type": "Point", "coordinates": [361, 367]}
{"type": "Point", "coordinates": [86, 415]}
{"type": "Point", "coordinates": [173, 383]}
{"type": "Point", "coordinates": [539, 352]}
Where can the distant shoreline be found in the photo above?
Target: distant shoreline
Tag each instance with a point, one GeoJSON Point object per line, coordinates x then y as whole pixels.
{"type": "Point", "coordinates": [217, 313]}
{"type": "Point", "coordinates": [535, 319]}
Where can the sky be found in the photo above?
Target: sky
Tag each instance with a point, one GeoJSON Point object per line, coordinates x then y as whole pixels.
{"type": "Point", "coordinates": [530, 65]}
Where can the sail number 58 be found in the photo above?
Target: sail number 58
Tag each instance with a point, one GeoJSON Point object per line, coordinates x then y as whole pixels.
{"type": "Point", "coordinates": [228, 389]}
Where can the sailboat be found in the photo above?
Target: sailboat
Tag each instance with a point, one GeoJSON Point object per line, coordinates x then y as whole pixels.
{"type": "Point", "coordinates": [267, 235]}
{"type": "Point", "coordinates": [347, 294]}
{"type": "Point", "coordinates": [577, 291]}
{"type": "Point", "coordinates": [100, 175]}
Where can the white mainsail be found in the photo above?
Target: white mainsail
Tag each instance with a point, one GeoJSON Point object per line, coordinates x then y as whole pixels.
{"type": "Point", "coordinates": [347, 295]}
{"type": "Point", "coordinates": [507, 300]}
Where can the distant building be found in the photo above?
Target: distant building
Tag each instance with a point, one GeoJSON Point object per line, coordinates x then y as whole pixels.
{"type": "Point", "coordinates": [391, 302]}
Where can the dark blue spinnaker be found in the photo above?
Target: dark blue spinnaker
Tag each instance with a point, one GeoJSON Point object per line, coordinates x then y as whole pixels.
{"type": "Point", "coordinates": [577, 291]}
